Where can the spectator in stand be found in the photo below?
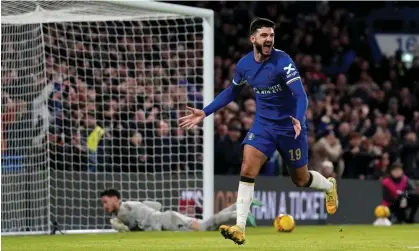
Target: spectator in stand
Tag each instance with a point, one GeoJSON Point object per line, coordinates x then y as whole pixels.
{"type": "Point", "coordinates": [399, 194]}
{"type": "Point", "coordinates": [351, 156]}
{"type": "Point", "coordinates": [410, 155]}
{"type": "Point", "coordinates": [327, 151]}
{"type": "Point", "coordinates": [344, 134]}
{"type": "Point", "coordinates": [8, 109]}
{"type": "Point", "coordinates": [382, 166]}
{"type": "Point", "coordinates": [162, 147]}
{"type": "Point", "coordinates": [228, 152]}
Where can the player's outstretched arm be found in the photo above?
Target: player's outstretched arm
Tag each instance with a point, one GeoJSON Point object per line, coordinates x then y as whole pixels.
{"type": "Point", "coordinates": [224, 98]}
{"type": "Point", "coordinates": [195, 117]}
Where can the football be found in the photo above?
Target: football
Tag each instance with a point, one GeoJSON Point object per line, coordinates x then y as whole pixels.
{"type": "Point", "coordinates": [382, 211]}
{"type": "Point", "coordinates": [284, 223]}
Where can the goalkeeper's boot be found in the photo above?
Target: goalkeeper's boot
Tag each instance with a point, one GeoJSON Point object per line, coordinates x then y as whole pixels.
{"type": "Point", "coordinates": [332, 201]}
{"type": "Point", "coordinates": [234, 233]}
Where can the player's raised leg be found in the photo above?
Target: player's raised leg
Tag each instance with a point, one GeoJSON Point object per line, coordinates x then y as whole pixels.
{"type": "Point", "coordinates": [302, 177]}
{"type": "Point", "coordinates": [295, 153]}
{"type": "Point", "coordinates": [253, 159]}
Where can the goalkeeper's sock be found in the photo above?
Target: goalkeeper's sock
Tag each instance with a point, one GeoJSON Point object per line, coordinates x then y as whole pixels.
{"type": "Point", "coordinates": [320, 182]}
{"type": "Point", "coordinates": [244, 199]}
{"type": "Point", "coordinates": [230, 208]}
{"type": "Point", "coordinates": [221, 218]}
{"type": "Point", "coordinates": [233, 207]}
{"type": "Point", "coordinates": [217, 220]}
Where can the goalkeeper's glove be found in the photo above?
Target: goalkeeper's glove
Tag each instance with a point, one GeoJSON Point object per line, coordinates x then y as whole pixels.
{"type": "Point", "coordinates": [118, 225]}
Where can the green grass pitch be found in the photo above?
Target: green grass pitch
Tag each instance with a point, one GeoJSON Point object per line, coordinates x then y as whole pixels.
{"type": "Point", "coordinates": [304, 238]}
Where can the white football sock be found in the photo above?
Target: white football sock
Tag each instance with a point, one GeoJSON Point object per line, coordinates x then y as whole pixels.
{"type": "Point", "coordinates": [320, 182]}
{"type": "Point", "coordinates": [244, 199]}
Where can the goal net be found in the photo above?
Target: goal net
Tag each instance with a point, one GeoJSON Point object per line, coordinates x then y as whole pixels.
{"type": "Point", "coordinates": [91, 96]}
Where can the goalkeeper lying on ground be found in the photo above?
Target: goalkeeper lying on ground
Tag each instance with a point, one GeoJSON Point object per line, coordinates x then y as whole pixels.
{"type": "Point", "coordinates": [146, 216]}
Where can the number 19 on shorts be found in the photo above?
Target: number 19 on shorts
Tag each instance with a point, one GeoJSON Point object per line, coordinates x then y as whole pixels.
{"type": "Point", "coordinates": [295, 154]}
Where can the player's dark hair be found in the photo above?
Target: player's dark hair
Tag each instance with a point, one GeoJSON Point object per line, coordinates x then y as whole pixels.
{"type": "Point", "coordinates": [111, 192]}
{"type": "Point", "coordinates": [260, 23]}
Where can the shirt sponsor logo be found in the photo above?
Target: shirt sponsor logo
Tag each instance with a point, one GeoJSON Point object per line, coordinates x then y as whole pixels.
{"type": "Point", "coordinates": [292, 74]}
{"type": "Point", "coordinates": [268, 90]}
{"type": "Point", "coordinates": [289, 68]}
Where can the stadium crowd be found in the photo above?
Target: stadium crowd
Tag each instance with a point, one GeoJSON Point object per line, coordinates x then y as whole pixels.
{"type": "Point", "coordinates": [361, 116]}
{"type": "Point", "coordinates": [118, 89]}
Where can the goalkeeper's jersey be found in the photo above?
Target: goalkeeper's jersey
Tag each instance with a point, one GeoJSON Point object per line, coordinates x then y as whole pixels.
{"type": "Point", "coordinates": [140, 215]}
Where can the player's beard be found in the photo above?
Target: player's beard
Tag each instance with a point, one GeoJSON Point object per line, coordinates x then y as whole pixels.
{"type": "Point", "coordinates": [260, 47]}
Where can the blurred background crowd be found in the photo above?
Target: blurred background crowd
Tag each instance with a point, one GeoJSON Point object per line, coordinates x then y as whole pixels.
{"type": "Point", "coordinates": [362, 115]}
{"type": "Point", "coordinates": [118, 88]}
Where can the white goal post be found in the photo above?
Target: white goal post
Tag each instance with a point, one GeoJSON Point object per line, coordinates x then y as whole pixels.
{"type": "Point", "coordinates": [91, 96]}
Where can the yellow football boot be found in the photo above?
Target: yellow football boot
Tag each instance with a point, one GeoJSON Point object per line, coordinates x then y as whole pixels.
{"type": "Point", "coordinates": [233, 233]}
{"type": "Point", "coordinates": [332, 201]}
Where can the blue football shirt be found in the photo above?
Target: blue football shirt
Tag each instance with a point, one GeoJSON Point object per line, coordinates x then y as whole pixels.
{"type": "Point", "coordinates": [271, 81]}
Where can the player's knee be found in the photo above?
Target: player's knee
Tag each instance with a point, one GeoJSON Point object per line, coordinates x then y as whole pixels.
{"type": "Point", "coordinates": [248, 171]}
{"type": "Point", "coordinates": [299, 182]}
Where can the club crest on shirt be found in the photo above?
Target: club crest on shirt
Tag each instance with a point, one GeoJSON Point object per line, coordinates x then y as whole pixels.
{"type": "Point", "coordinates": [251, 136]}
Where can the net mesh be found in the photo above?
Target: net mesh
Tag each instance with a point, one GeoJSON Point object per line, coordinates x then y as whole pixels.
{"type": "Point", "coordinates": [91, 101]}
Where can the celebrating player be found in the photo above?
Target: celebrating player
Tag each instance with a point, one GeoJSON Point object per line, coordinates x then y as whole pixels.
{"type": "Point", "coordinates": [279, 123]}
{"type": "Point", "coordinates": [146, 216]}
